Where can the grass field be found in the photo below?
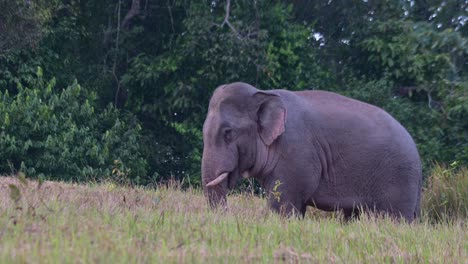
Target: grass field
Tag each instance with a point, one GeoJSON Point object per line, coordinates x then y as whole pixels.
{"type": "Point", "coordinates": [104, 223]}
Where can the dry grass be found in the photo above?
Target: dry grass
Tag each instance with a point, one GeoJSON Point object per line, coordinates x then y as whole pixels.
{"type": "Point", "coordinates": [446, 197]}
{"type": "Point", "coordinates": [58, 222]}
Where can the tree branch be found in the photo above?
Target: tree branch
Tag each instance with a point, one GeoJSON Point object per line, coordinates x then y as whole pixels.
{"type": "Point", "coordinates": [114, 66]}
{"type": "Point", "coordinates": [169, 8]}
{"type": "Point", "coordinates": [134, 11]}
{"type": "Point", "coordinates": [226, 20]}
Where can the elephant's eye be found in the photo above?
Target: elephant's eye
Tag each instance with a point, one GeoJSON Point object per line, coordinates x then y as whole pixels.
{"type": "Point", "coordinates": [228, 135]}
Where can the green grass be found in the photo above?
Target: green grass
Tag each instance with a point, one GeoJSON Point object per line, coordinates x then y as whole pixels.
{"type": "Point", "coordinates": [65, 223]}
{"type": "Point", "coordinates": [446, 196]}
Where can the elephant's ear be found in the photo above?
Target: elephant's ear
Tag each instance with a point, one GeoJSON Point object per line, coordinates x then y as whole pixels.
{"type": "Point", "coordinates": [271, 116]}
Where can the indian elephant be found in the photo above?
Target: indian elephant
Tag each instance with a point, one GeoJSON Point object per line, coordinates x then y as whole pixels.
{"type": "Point", "coordinates": [313, 148]}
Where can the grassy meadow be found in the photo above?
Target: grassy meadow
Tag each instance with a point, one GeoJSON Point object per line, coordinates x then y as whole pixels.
{"type": "Point", "coordinates": [54, 222]}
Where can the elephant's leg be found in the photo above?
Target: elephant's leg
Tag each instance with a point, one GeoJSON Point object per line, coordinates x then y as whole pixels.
{"type": "Point", "coordinates": [287, 208]}
{"type": "Point", "coordinates": [351, 214]}
{"type": "Point", "coordinates": [394, 211]}
{"type": "Point", "coordinates": [291, 185]}
{"type": "Point", "coordinates": [396, 203]}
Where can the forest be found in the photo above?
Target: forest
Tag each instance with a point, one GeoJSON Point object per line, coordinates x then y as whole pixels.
{"type": "Point", "coordinates": [119, 90]}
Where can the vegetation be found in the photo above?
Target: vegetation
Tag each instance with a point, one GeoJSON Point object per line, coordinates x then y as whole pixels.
{"type": "Point", "coordinates": [446, 196]}
{"type": "Point", "coordinates": [156, 63]}
{"type": "Point", "coordinates": [58, 222]}
{"type": "Point", "coordinates": [60, 134]}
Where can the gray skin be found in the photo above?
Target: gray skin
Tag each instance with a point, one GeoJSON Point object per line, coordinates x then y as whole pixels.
{"type": "Point", "coordinates": [312, 148]}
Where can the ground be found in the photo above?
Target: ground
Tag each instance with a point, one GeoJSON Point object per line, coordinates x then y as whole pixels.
{"type": "Point", "coordinates": [57, 222]}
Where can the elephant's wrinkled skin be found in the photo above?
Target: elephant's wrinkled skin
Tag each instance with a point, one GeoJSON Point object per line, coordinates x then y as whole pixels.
{"type": "Point", "coordinates": [309, 148]}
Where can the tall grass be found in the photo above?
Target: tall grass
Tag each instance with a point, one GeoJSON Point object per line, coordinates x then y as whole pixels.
{"type": "Point", "coordinates": [54, 222]}
{"type": "Point", "coordinates": [446, 196]}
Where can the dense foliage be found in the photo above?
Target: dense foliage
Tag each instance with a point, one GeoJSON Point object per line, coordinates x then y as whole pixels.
{"type": "Point", "coordinates": [60, 134]}
{"type": "Point", "coordinates": [158, 61]}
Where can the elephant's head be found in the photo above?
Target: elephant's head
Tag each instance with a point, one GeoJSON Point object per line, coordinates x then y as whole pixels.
{"type": "Point", "coordinates": [241, 125]}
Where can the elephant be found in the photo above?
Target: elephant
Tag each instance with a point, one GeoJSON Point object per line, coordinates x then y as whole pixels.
{"type": "Point", "coordinates": [309, 148]}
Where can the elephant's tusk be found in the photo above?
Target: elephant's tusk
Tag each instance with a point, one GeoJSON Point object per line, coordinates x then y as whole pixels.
{"type": "Point", "coordinates": [218, 180]}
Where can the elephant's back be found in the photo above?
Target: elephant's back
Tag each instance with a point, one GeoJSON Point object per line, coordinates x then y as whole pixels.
{"type": "Point", "coordinates": [357, 127]}
{"type": "Point", "coordinates": [340, 113]}
{"type": "Point", "coordinates": [334, 102]}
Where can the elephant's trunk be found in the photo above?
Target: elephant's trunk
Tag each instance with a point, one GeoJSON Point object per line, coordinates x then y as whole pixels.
{"type": "Point", "coordinates": [216, 197]}
{"type": "Point", "coordinates": [214, 186]}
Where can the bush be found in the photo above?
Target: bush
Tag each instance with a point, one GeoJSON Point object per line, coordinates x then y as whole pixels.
{"type": "Point", "coordinates": [446, 197]}
{"type": "Point", "coordinates": [59, 134]}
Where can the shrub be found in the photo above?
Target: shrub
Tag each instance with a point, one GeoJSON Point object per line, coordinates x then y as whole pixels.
{"type": "Point", "coordinates": [60, 135]}
{"type": "Point", "coordinates": [446, 197]}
